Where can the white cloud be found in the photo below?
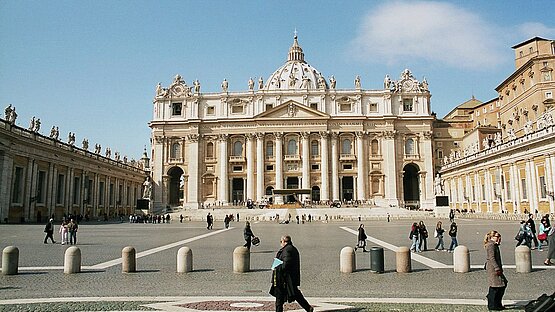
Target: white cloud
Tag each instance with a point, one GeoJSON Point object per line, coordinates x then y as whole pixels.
{"type": "Point", "coordinates": [530, 30]}
{"type": "Point", "coordinates": [431, 31]}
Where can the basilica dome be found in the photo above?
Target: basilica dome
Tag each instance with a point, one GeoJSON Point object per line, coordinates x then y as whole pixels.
{"type": "Point", "coordinates": [296, 74]}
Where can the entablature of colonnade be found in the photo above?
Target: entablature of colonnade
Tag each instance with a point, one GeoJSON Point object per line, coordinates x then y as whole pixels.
{"type": "Point", "coordinates": [529, 146]}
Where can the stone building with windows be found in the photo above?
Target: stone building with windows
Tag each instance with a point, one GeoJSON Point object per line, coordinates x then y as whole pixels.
{"type": "Point", "coordinates": [294, 130]}
{"type": "Point", "coordinates": [42, 176]}
{"type": "Point", "coordinates": [506, 163]}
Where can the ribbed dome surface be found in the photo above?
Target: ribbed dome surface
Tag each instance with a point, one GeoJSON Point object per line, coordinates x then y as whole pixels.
{"type": "Point", "coordinates": [295, 73]}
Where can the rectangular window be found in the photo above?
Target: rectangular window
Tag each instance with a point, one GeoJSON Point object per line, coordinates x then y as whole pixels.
{"type": "Point", "coordinates": [524, 192]}
{"type": "Point", "coordinates": [345, 107]}
{"type": "Point", "coordinates": [76, 190]}
{"type": "Point", "coordinates": [237, 168]}
{"type": "Point", "coordinates": [270, 168]}
{"type": "Point", "coordinates": [315, 167]}
{"type": "Point", "coordinates": [508, 188]}
{"type": "Point", "coordinates": [210, 110]}
{"type": "Point", "coordinates": [373, 107]}
{"type": "Point", "coordinates": [269, 149]}
{"type": "Point", "coordinates": [407, 105]}
{"type": "Point", "coordinates": [176, 109]}
{"type": "Point", "coordinates": [128, 201]}
{"type": "Point", "coordinates": [548, 95]}
{"type": "Point", "coordinates": [237, 109]}
{"type": "Point", "coordinates": [101, 193]}
{"type": "Point", "coordinates": [314, 106]}
{"type": "Point", "coordinates": [269, 106]}
{"type": "Point", "coordinates": [17, 196]}
{"type": "Point", "coordinates": [347, 167]}
{"type": "Point", "coordinates": [543, 188]}
{"type": "Point", "coordinates": [41, 187]}
{"type": "Point", "coordinates": [89, 191]}
{"type": "Point", "coordinates": [60, 189]}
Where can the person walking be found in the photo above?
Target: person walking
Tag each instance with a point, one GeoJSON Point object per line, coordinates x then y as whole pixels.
{"type": "Point", "coordinates": [247, 235]}
{"type": "Point", "coordinates": [453, 229]}
{"type": "Point", "coordinates": [494, 268]}
{"type": "Point", "coordinates": [286, 277]}
{"type": "Point", "coordinates": [524, 235]}
{"type": "Point", "coordinates": [208, 221]}
{"type": "Point", "coordinates": [551, 243]}
{"type": "Point", "coordinates": [423, 236]}
{"type": "Point", "coordinates": [414, 235]}
{"type": "Point", "coordinates": [361, 239]}
{"type": "Point", "coordinates": [532, 226]}
{"type": "Point", "coordinates": [49, 230]}
{"type": "Point", "coordinates": [438, 233]}
{"type": "Point", "coordinates": [542, 236]}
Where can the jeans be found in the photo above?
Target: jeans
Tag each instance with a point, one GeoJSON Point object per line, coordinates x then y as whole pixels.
{"type": "Point", "coordinates": [415, 244]}
{"type": "Point", "coordinates": [495, 296]}
{"type": "Point", "coordinates": [440, 243]}
{"type": "Point", "coordinates": [454, 243]}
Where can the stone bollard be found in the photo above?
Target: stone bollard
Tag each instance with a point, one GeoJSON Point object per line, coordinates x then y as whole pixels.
{"type": "Point", "coordinates": [184, 260]}
{"type": "Point", "coordinates": [403, 260]}
{"type": "Point", "coordinates": [461, 259]}
{"type": "Point", "coordinates": [128, 260]}
{"type": "Point", "coordinates": [347, 260]}
{"type": "Point", "coordinates": [10, 260]}
{"type": "Point", "coordinates": [72, 260]}
{"type": "Point", "coordinates": [241, 259]}
{"type": "Point", "coordinates": [523, 259]}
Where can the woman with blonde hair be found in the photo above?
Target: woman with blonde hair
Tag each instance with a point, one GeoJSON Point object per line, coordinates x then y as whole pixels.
{"type": "Point", "coordinates": [438, 233]}
{"type": "Point", "coordinates": [494, 268]}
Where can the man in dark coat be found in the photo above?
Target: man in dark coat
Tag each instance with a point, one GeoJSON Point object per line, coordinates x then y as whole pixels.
{"type": "Point", "coordinates": [49, 230]}
{"type": "Point", "coordinates": [287, 277]}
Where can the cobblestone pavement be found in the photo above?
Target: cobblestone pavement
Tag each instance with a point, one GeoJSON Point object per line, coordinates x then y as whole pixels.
{"type": "Point", "coordinates": [105, 288]}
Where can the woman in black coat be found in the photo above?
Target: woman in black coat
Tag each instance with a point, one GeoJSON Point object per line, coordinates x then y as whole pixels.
{"type": "Point", "coordinates": [247, 234]}
{"type": "Point", "coordinates": [361, 243]}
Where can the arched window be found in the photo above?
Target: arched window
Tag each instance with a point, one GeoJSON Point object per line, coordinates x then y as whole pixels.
{"type": "Point", "coordinates": [269, 149]}
{"type": "Point", "coordinates": [409, 147]}
{"type": "Point", "coordinates": [210, 150]}
{"type": "Point", "coordinates": [314, 150]}
{"type": "Point", "coordinates": [238, 148]}
{"type": "Point", "coordinates": [375, 147]}
{"type": "Point", "coordinates": [346, 147]}
{"type": "Point", "coordinates": [292, 147]}
{"type": "Point", "coordinates": [175, 151]}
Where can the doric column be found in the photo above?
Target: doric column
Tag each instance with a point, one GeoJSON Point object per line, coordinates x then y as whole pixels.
{"type": "Point", "coordinates": [533, 195]}
{"type": "Point", "coordinates": [324, 171]}
{"type": "Point", "coordinates": [193, 170]}
{"type": "Point", "coordinates": [390, 167]}
{"type": "Point", "coordinates": [361, 173]}
{"type": "Point", "coordinates": [306, 162]}
{"type": "Point", "coordinates": [50, 195]}
{"type": "Point", "coordinates": [259, 166]}
{"type": "Point", "coordinates": [279, 164]}
{"type": "Point", "coordinates": [334, 167]}
{"type": "Point", "coordinates": [223, 191]}
{"type": "Point", "coordinates": [30, 183]}
{"type": "Point", "coordinates": [426, 153]}
{"type": "Point", "coordinates": [549, 183]}
{"type": "Point", "coordinates": [250, 166]}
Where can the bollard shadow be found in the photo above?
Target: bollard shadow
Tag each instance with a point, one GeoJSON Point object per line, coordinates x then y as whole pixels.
{"type": "Point", "coordinates": [203, 270]}
{"type": "Point", "coordinates": [260, 270]}
{"type": "Point", "coordinates": [32, 272]}
{"type": "Point", "coordinates": [146, 271]}
{"type": "Point", "coordinates": [9, 288]}
{"type": "Point", "coordinates": [93, 271]}
{"type": "Point", "coordinates": [262, 251]}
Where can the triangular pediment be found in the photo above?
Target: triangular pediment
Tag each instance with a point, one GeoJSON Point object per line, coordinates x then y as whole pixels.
{"type": "Point", "coordinates": [291, 110]}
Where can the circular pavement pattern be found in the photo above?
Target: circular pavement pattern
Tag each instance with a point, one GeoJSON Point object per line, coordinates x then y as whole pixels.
{"type": "Point", "coordinates": [231, 305]}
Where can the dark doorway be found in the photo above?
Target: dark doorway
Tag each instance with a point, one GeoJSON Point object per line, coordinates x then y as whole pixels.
{"type": "Point", "coordinates": [315, 194]}
{"type": "Point", "coordinates": [270, 191]}
{"type": "Point", "coordinates": [176, 186]}
{"type": "Point", "coordinates": [292, 183]}
{"type": "Point", "coordinates": [411, 187]}
{"type": "Point", "coordinates": [347, 185]}
{"type": "Point", "coordinates": [237, 190]}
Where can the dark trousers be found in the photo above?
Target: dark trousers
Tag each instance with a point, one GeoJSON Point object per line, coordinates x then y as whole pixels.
{"type": "Point", "coordinates": [280, 300]}
{"type": "Point", "coordinates": [495, 295]}
{"type": "Point", "coordinates": [248, 243]}
{"type": "Point", "coordinates": [49, 235]}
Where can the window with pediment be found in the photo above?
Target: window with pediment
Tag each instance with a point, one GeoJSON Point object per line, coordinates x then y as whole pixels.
{"type": "Point", "coordinates": [375, 148]}
{"type": "Point", "coordinates": [238, 148]}
{"type": "Point", "coordinates": [269, 149]}
{"type": "Point", "coordinates": [175, 151]}
{"type": "Point", "coordinates": [314, 150]}
{"type": "Point", "coordinates": [210, 150]}
{"type": "Point", "coordinates": [346, 146]}
{"type": "Point", "coordinates": [292, 147]}
{"type": "Point", "coordinates": [409, 147]}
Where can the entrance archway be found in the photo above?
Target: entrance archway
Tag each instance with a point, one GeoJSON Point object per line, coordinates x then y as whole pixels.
{"type": "Point", "coordinates": [347, 186]}
{"type": "Point", "coordinates": [411, 187]}
{"type": "Point", "coordinates": [292, 183]}
{"type": "Point", "coordinates": [175, 187]}
{"type": "Point", "coordinates": [315, 194]}
{"type": "Point", "coordinates": [270, 191]}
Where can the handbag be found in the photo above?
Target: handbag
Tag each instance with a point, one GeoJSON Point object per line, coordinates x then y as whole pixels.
{"type": "Point", "coordinates": [542, 236]}
{"type": "Point", "coordinates": [256, 241]}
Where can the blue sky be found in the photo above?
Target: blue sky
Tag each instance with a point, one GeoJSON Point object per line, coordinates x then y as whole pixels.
{"type": "Point", "coordinates": [91, 67]}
